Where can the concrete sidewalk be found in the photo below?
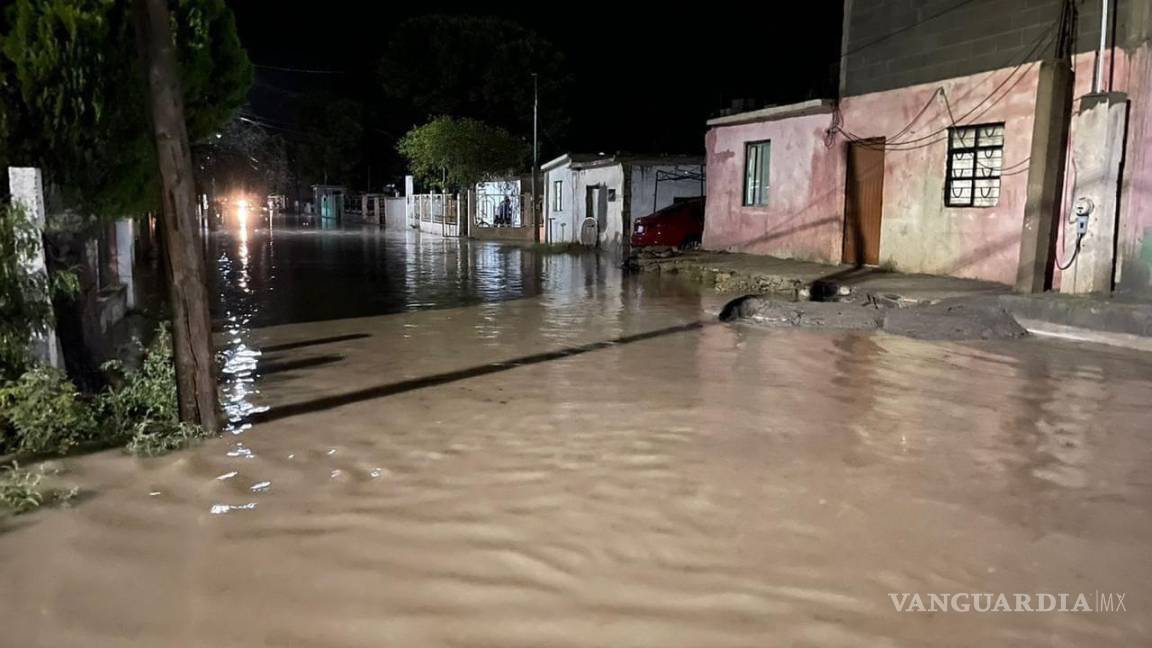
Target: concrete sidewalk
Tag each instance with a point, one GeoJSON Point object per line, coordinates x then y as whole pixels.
{"type": "Point", "coordinates": [1089, 318]}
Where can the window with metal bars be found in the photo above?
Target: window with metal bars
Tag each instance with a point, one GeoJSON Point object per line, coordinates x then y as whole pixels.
{"type": "Point", "coordinates": [975, 159]}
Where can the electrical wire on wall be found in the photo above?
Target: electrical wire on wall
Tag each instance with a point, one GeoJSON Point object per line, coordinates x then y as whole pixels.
{"type": "Point", "coordinates": [1057, 28]}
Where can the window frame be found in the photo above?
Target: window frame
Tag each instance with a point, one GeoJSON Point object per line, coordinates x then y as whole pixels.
{"type": "Point", "coordinates": [557, 195]}
{"type": "Point", "coordinates": [757, 197]}
{"type": "Point", "coordinates": [950, 179]}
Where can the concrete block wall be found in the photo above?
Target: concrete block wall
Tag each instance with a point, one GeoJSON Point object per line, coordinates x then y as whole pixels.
{"type": "Point", "coordinates": [897, 43]}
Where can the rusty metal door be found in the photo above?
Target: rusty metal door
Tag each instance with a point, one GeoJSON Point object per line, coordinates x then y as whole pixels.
{"type": "Point", "coordinates": [864, 202]}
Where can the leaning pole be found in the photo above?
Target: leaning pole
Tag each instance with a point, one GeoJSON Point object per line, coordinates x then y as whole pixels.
{"type": "Point", "coordinates": [188, 293]}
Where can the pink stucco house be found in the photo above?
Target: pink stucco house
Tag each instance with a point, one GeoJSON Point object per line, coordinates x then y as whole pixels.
{"type": "Point", "coordinates": [924, 162]}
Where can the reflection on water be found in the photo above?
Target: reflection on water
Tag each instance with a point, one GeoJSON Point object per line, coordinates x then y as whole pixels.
{"type": "Point", "coordinates": [709, 486]}
{"type": "Point", "coordinates": [302, 269]}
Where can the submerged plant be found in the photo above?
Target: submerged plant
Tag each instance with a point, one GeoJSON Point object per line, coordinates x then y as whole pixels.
{"type": "Point", "coordinates": [143, 410]}
{"type": "Point", "coordinates": [22, 491]}
{"type": "Point", "coordinates": [155, 438]}
{"type": "Point", "coordinates": [146, 394]}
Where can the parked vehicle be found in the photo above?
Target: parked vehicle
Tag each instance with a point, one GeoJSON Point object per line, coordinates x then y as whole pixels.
{"type": "Point", "coordinates": [678, 225]}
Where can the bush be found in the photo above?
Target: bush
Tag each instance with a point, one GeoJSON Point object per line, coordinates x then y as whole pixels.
{"type": "Point", "coordinates": [143, 409]}
{"type": "Point", "coordinates": [146, 394]}
{"type": "Point", "coordinates": [44, 413]}
{"type": "Point", "coordinates": [21, 490]}
{"type": "Point", "coordinates": [155, 438]}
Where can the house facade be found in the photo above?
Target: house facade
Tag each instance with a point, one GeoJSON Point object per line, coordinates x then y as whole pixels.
{"type": "Point", "coordinates": [937, 159]}
{"type": "Point", "coordinates": [593, 200]}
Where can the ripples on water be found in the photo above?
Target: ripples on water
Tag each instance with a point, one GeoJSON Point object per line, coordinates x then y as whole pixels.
{"type": "Point", "coordinates": [719, 486]}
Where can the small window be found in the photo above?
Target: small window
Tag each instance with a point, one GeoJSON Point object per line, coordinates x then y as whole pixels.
{"type": "Point", "coordinates": [757, 157]}
{"type": "Point", "coordinates": [975, 159]}
{"type": "Point", "coordinates": [557, 195]}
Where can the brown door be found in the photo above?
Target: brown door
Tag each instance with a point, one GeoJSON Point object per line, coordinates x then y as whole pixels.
{"type": "Point", "coordinates": [864, 202]}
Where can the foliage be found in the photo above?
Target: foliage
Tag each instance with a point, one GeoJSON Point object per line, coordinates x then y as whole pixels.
{"type": "Point", "coordinates": [72, 95]}
{"type": "Point", "coordinates": [148, 394]}
{"type": "Point", "coordinates": [476, 67]}
{"type": "Point", "coordinates": [46, 414]}
{"type": "Point", "coordinates": [43, 413]}
{"type": "Point", "coordinates": [143, 409]}
{"type": "Point", "coordinates": [25, 308]}
{"type": "Point", "coordinates": [243, 156]}
{"type": "Point", "coordinates": [155, 438]}
{"type": "Point", "coordinates": [454, 153]}
{"type": "Point", "coordinates": [21, 490]}
{"type": "Point", "coordinates": [330, 145]}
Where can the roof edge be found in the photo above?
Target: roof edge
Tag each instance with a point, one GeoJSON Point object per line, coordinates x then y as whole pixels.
{"type": "Point", "coordinates": [810, 107]}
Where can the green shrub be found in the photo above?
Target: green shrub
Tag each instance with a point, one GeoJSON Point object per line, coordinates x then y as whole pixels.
{"type": "Point", "coordinates": [22, 491]}
{"type": "Point", "coordinates": [143, 409]}
{"type": "Point", "coordinates": [147, 394]}
{"type": "Point", "coordinates": [43, 413]}
{"type": "Point", "coordinates": [154, 438]}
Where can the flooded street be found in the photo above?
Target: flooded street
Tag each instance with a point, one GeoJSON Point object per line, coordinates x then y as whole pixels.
{"type": "Point", "coordinates": [442, 443]}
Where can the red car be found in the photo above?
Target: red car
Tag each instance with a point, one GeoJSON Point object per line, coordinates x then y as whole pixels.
{"type": "Point", "coordinates": [678, 225]}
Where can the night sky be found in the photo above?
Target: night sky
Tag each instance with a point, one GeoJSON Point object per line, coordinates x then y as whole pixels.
{"type": "Point", "coordinates": [646, 78]}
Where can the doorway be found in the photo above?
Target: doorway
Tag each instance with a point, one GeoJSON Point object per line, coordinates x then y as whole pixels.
{"type": "Point", "coordinates": [864, 202]}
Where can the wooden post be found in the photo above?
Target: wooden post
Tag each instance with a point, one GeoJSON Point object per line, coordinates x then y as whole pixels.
{"type": "Point", "coordinates": [191, 325]}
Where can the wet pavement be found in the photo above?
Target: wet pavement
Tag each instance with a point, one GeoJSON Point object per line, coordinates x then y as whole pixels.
{"type": "Point", "coordinates": [438, 443]}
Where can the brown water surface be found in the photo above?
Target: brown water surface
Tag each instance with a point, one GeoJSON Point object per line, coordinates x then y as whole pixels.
{"type": "Point", "coordinates": [566, 457]}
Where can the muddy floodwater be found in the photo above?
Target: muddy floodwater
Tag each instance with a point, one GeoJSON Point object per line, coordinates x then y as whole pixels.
{"type": "Point", "coordinates": [436, 443]}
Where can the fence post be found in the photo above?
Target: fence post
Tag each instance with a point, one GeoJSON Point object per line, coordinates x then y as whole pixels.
{"type": "Point", "coordinates": [27, 188]}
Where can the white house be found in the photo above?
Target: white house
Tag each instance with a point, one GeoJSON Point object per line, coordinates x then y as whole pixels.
{"type": "Point", "coordinates": [594, 199]}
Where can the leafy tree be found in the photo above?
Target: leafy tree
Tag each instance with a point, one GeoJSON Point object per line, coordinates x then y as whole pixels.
{"type": "Point", "coordinates": [330, 144]}
{"type": "Point", "coordinates": [476, 67]}
{"type": "Point", "coordinates": [72, 94]}
{"type": "Point", "coordinates": [452, 153]}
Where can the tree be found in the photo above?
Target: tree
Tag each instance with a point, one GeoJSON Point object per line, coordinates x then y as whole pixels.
{"type": "Point", "coordinates": [476, 67]}
{"type": "Point", "coordinates": [454, 153]}
{"type": "Point", "coordinates": [188, 291]}
{"type": "Point", "coordinates": [330, 144]}
{"type": "Point", "coordinates": [72, 97]}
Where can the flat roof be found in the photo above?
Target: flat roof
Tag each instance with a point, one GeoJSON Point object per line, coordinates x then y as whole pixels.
{"type": "Point", "coordinates": [811, 107]}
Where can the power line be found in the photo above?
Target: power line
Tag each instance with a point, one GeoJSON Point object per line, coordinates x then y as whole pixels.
{"type": "Point", "coordinates": [300, 70]}
{"type": "Point", "coordinates": [907, 27]}
{"type": "Point", "coordinates": [940, 135]}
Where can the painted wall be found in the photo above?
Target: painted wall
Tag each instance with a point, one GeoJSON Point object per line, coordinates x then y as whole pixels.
{"type": "Point", "coordinates": [804, 215]}
{"type": "Point", "coordinates": [1134, 238]}
{"type": "Point", "coordinates": [918, 232]}
{"type": "Point", "coordinates": [1129, 72]}
{"type": "Point", "coordinates": [561, 223]}
{"type": "Point", "coordinates": [644, 187]}
{"type": "Point", "coordinates": [608, 177]}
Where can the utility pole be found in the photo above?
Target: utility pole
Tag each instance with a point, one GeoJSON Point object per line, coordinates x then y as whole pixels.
{"type": "Point", "coordinates": [188, 293]}
{"type": "Point", "coordinates": [1053, 112]}
{"type": "Point", "coordinates": [537, 204]}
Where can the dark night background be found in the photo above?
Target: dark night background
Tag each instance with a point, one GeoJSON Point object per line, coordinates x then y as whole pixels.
{"type": "Point", "coordinates": [645, 78]}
